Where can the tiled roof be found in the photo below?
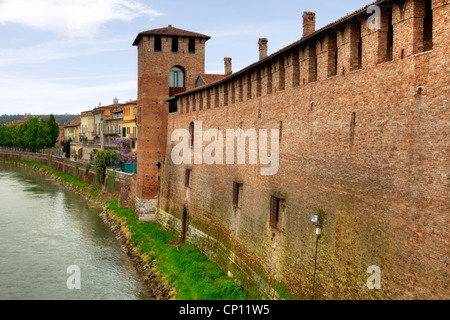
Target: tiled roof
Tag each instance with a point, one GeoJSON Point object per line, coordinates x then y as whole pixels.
{"type": "Point", "coordinates": [169, 31]}
{"type": "Point", "coordinates": [131, 102]}
{"type": "Point", "coordinates": [16, 123]}
{"type": "Point", "coordinates": [211, 78]}
{"type": "Point", "coordinates": [74, 123]}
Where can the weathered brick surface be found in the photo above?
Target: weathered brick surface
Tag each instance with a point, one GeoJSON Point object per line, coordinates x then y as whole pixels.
{"type": "Point", "coordinates": [382, 194]}
{"type": "Point", "coordinates": [153, 88]}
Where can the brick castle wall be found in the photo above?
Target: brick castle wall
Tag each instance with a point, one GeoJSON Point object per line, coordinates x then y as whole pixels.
{"type": "Point", "coordinates": [380, 187]}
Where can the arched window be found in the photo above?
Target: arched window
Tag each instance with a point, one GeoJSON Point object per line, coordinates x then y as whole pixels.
{"type": "Point", "coordinates": [176, 78]}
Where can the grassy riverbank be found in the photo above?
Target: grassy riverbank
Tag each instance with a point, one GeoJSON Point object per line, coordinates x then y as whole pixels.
{"type": "Point", "coordinates": [92, 191]}
{"type": "Point", "coordinates": [192, 275]}
{"type": "Point", "coordinates": [181, 266]}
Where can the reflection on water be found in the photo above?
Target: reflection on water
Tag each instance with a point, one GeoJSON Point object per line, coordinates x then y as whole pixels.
{"type": "Point", "coordinates": [45, 229]}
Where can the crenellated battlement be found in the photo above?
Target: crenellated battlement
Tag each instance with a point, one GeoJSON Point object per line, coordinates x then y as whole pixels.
{"type": "Point", "coordinates": [348, 45]}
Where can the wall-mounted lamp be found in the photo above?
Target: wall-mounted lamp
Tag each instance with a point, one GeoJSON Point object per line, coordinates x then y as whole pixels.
{"type": "Point", "coordinates": [318, 231]}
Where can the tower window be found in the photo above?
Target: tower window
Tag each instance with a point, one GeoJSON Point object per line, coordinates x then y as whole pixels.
{"type": "Point", "coordinates": [176, 81]}
{"type": "Point", "coordinates": [174, 44]}
{"type": "Point", "coordinates": [176, 78]}
{"type": "Point", "coordinates": [157, 43]}
{"type": "Point", "coordinates": [191, 45]}
{"type": "Point", "coordinates": [428, 27]}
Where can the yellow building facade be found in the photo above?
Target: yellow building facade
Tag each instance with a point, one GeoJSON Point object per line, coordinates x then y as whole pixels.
{"type": "Point", "coordinates": [129, 129]}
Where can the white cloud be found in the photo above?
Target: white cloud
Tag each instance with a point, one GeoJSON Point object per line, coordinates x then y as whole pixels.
{"type": "Point", "coordinates": [59, 50]}
{"type": "Point", "coordinates": [71, 18]}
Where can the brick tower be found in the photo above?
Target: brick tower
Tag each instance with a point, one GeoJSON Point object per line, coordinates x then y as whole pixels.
{"type": "Point", "coordinates": [169, 62]}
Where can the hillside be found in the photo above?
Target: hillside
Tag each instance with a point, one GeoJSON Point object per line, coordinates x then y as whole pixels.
{"type": "Point", "coordinates": [61, 119]}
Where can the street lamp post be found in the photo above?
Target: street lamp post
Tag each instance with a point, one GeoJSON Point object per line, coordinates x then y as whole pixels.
{"type": "Point", "coordinates": [315, 221]}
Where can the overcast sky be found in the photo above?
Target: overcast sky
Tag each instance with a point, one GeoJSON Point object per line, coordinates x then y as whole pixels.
{"type": "Point", "coordinates": [67, 56]}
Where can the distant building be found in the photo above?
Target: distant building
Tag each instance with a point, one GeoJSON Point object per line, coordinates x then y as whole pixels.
{"type": "Point", "coordinates": [25, 119]}
{"type": "Point", "coordinates": [101, 126]}
{"type": "Point", "coordinates": [129, 129]}
{"type": "Point", "coordinates": [71, 131]}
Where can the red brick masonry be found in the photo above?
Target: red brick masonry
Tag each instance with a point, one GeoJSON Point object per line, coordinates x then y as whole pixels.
{"type": "Point", "coordinates": [364, 144]}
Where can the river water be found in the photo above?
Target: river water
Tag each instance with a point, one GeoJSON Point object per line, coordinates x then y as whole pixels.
{"type": "Point", "coordinates": [46, 229]}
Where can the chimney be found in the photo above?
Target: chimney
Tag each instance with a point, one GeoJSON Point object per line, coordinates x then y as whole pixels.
{"type": "Point", "coordinates": [228, 66]}
{"type": "Point", "coordinates": [262, 48]}
{"type": "Point", "coordinates": [309, 23]}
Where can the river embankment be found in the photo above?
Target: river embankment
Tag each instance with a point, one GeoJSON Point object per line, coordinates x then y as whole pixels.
{"type": "Point", "coordinates": [157, 290]}
{"type": "Point", "coordinates": [169, 269]}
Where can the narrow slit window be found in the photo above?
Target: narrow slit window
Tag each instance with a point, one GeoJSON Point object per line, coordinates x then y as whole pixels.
{"type": "Point", "coordinates": [336, 60]}
{"type": "Point", "coordinates": [353, 128]}
{"type": "Point", "coordinates": [191, 45]}
{"type": "Point", "coordinates": [282, 83]}
{"type": "Point", "coordinates": [332, 55]}
{"type": "Point", "coordinates": [208, 99]}
{"type": "Point", "coordinates": [296, 67]}
{"type": "Point", "coordinates": [216, 97]}
{"type": "Point", "coordinates": [360, 51]}
{"type": "Point", "coordinates": [275, 212]}
{"type": "Point", "coordinates": [157, 43]}
{"type": "Point", "coordinates": [174, 44]}
{"type": "Point", "coordinates": [258, 83]}
{"type": "Point", "coordinates": [233, 92]}
{"type": "Point", "coordinates": [192, 134]}
{"type": "Point", "coordinates": [428, 27]}
{"type": "Point", "coordinates": [241, 90]}
{"type": "Point", "coordinates": [269, 78]}
{"type": "Point", "coordinates": [237, 189]}
{"type": "Point", "coordinates": [390, 39]}
{"type": "Point", "coordinates": [187, 178]}
{"type": "Point", "coordinates": [225, 94]}
{"type": "Point", "coordinates": [249, 86]}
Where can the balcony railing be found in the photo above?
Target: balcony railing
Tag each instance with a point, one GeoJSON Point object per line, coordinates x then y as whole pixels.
{"type": "Point", "coordinates": [86, 143]}
{"type": "Point", "coordinates": [118, 116]}
{"type": "Point", "coordinates": [112, 133]}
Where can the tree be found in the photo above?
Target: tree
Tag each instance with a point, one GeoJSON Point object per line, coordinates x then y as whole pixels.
{"type": "Point", "coordinates": [34, 134]}
{"type": "Point", "coordinates": [43, 138]}
{"type": "Point", "coordinates": [53, 130]}
{"type": "Point", "coordinates": [66, 147]}
{"type": "Point", "coordinates": [103, 159]}
{"type": "Point", "coordinates": [3, 135]}
{"type": "Point", "coordinates": [28, 134]}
